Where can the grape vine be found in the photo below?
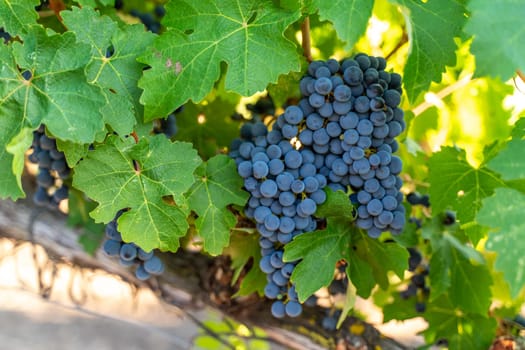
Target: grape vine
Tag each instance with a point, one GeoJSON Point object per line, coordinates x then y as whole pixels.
{"type": "Point", "coordinates": [344, 177]}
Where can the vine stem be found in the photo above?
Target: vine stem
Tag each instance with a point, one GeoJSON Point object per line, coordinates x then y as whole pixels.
{"type": "Point", "coordinates": [135, 136]}
{"type": "Point", "coordinates": [403, 41]}
{"type": "Point", "coordinates": [521, 75]}
{"type": "Point", "coordinates": [306, 40]}
{"type": "Point", "coordinates": [442, 94]}
{"type": "Point", "coordinates": [135, 163]}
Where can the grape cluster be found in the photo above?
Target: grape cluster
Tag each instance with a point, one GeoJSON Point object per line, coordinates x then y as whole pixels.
{"type": "Point", "coordinates": [150, 20]}
{"type": "Point", "coordinates": [168, 126]}
{"type": "Point", "coordinates": [52, 170]}
{"type": "Point", "coordinates": [417, 286]}
{"type": "Point", "coordinates": [285, 191]}
{"type": "Point", "coordinates": [351, 118]}
{"type": "Point", "coordinates": [129, 254]}
{"type": "Point", "coordinates": [5, 35]}
{"type": "Point", "coordinates": [415, 198]}
{"type": "Point", "coordinates": [341, 135]}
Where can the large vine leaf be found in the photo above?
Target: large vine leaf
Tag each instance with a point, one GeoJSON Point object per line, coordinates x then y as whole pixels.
{"type": "Point", "coordinates": [453, 265]}
{"type": "Point", "coordinates": [382, 257]}
{"type": "Point", "coordinates": [217, 185]}
{"type": "Point", "coordinates": [17, 15]}
{"type": "Point", "coordinates": [350, 18]}
{"type": "Point", "coordinates": [108, 176]}
{"type": "Point", "coordinates": [369, 259]}
{"type": "Point", "coordinates": [509, 162]}
{"type": "Point", "coordinates": [432, 27]}
{"type": "Point", "coordinates": [58, 94]}
{"type": "Point", "coordinates": [243, 248]}
{"type": "Point", "coordinates": [247, 35]}
{"type": "Point", "coordinates": [10, 123]}
{"type": "Point", "coordinates": [320, 251]}
{"type": "Point", "coordinates": [119, 73]}
{"type": "Point", "coordinates": [504, 212]}
{"type": "Point", "coordinates": [499, 50]}
{"type": "Point", "coordinates": [457, 185]}
{"type": "Point", "coordinates": [462, 330]}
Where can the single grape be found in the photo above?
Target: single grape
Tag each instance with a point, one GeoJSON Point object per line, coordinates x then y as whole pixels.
{"type": "Point", "coordinates": [112, 247]}
{"type": "Point", "coordinates": [293, 308]}
{"type": "Point", "coordinates": [128, 252]}
{"type": "Point", "coordinates": [141, 273]}
{"type": "Point", "coordinates": [154, 266]}
{"type": "Point", "coordinates": [278, 309]}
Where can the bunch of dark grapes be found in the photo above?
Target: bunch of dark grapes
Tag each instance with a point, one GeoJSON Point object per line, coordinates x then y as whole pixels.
{"type": "Point", "coordinates": [417, 286]}
{"type": "Point", "coordinates": [129, 254]}
{"type": "Point", "coordinates": [52, 170]}
{"type": "Point", "coordinates": [5, 35]}
{"type": "Point", "coordinates": [168, 126]}
{"type": "Point", "coordinates": [263, 107]}
{"type": "Point", "coordinates": [282, 182]}
{"type": "Point", "coordinates": [150, 20]}
{"type": "Point", "coordinates": [342, 135]}
{"type": "Point", "coordinates": [414, 198]}
{"type": "Point", "coordinates": [352, 118]}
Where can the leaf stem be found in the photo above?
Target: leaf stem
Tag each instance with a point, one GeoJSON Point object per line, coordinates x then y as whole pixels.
{"type": "Point", "coordinates": [135, 136]}
{"type": "Point", "coordinates": [403, 41]}
{"type": "Point", "coordinates": [135, 163]}
{"type": "Point", "coordinates": [442, 94]}
{"type": "Point", "coordinates": [306, 40]}
{"type": "Point", "coordinates": [521, 75]}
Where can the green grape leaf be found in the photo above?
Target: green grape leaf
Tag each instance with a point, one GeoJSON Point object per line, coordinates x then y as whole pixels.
{"type": "Point", "coordinates": [361, 276]}
{"type": "Point", "coordinates": [287, 86]}
{"type": "Point", "coordinates": [463, 330]}
{"type": "Point", "coordinates": [241, 249]}
{"type": "Point", "coordinates": [205, 33]}
{"type": "Point", "coordinates": [350, 299]}
{"type": "Point", "coordinates": [499, 51]}
{"type": "Point", "coordinates": [382, 257]}
{"type": "Point", "coordinates": [198, 124]}
{"type": "Point", "coordinates": [350, 18]}
{"type": "Point", "coordinates": [254, 281]}
{"type": "Point", "coordinates": [369, 259]}
{"type": "Point", "coordinates": [244, 248]}
{"type": "Point", "coordinates": [468, 293]}
{"type": "Point", "coordinates": [509, 162]}
{"type": "Point", "coordinates": [432, 27]}
{"type": "Point", "coordinates": [73, 152]}
{"type": "Point", "coordinates": [165, 169]}
{"type": "Point", "coordinates": [9, 128]}
{"type": "Point", "coordinates": [17, 15]}
{"type": "Point", "coordinates": [217, 185]}
{"type": "Point", "coordinates": [399, 308]}
{"type": "Point", "coordinates": [453, 265]}
{"type": "Point", "coordinates": [504, 213]}
{"type": "Point", "coordinates": [118, 113]}
{"type": "Point", "coordinates": [120, 72]}
{"type": "Point", "coordinates": [319, 251]}
{"type": "Point", "coordinates": [78, 215]}
{"type": "Point", "coordinates": [456, 184]}
{"type": "Point", "coordinates": [18, 147]}
{"type": "Point", "coordinates": [94, 3]}
{"type": "Point", "coordinates": [58, 94]}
